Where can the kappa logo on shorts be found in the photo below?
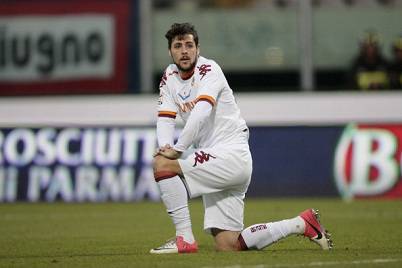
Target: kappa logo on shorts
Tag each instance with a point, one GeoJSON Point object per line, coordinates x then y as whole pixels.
{"type": "Point", "coordinates": [202, 157]}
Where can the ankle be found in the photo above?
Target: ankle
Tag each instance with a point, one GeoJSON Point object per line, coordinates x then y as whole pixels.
{"type": "Point", "coordinates": [187, 235]}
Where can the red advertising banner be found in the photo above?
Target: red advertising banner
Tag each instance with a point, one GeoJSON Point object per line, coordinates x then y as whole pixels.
{"type": "Point", "coordinates": [63, 47]}
{"type": "Point", "coordinates": [368, 161]}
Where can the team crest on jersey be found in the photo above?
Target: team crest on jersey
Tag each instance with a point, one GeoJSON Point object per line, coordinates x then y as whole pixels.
{"type": "Point", "coordinates": [201, 157]}
{"type": "Point", "coordinates": [204, 69]}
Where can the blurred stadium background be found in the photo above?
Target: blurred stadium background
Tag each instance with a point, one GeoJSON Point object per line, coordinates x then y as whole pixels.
{"type": "Point", "coordinates": [78, 91]}
{"type": "Point", "coordinates": [79, 84]}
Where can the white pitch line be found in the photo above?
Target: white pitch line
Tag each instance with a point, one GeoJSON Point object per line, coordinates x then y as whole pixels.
{"type": "Point", "coordinates": [311, 264]}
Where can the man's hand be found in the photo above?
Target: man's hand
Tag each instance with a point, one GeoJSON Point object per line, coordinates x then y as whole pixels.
{"type": "Point", "coordinates": [168, 152]}
{"type": "Point", "coordinates": [161, 149]}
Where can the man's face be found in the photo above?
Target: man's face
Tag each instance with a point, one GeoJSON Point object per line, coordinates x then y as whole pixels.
{"type": "Point", "coordinates": [184, 52]}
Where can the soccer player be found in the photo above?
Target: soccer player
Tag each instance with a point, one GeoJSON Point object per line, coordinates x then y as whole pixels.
{"type": "Point", "coordinates": [218, 167]}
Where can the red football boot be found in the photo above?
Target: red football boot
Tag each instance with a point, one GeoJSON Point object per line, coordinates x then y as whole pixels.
{"type": "Point", "coordinates": [314, 230]}
{"type": "Point", "coordinates": [176, 245]}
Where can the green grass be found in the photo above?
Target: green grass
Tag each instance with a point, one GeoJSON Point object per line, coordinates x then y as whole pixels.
{"type": "Point", "coordinates": [366, 234]}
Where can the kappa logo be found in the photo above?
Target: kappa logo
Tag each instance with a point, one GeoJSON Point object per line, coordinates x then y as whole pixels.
{"type": "Point", "coordinates": [204, 69]}
{"type": "Point", "coordinates": [201, 157]}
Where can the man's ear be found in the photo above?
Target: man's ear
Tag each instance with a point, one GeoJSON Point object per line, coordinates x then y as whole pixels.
{"type": "Point", "coordinates": [170, 53]}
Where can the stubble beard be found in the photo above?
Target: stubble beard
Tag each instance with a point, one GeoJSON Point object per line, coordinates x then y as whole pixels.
{"type": "Point", "coordinates": [190, 68]}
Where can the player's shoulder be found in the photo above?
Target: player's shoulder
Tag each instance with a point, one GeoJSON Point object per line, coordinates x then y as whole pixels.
{"type": "Point", "coordinates": [205, 66]}
{"type": "Point", "coordinates": [170, 71]}
{"type": "Point", "coordinates": [205, 61]}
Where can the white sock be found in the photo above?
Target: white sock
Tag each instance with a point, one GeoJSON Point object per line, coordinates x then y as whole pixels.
{"type": "Point", "coordinates": [174, 196]}
{"type": "Point", "coordinates": [261, 235]}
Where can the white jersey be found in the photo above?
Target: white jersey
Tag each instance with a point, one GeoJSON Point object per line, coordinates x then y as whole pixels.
{"type": "Point", "coordinates": [208, 83]}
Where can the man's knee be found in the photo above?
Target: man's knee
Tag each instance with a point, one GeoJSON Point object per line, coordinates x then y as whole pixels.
{"type": "Point", "coordinates": [226, 240]}
{"type": "Point", "coordinates": [159, 163]}
{"type": "Point", "coordinates": [165, 168]}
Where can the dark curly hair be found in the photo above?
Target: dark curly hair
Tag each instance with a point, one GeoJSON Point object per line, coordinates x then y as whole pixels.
{"type": "Point", "coordinates": [180, 30]}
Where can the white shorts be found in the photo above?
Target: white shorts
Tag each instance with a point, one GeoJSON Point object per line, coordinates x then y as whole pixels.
{"type": "Point", "coordinates": [220, 175]}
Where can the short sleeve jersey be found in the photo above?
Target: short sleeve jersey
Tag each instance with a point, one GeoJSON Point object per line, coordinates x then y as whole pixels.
{"type": "Point", "coordinates": [208, 83]}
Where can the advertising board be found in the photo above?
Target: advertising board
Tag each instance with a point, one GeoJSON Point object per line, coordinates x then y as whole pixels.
{"type": "Point", "coordinates": [293, 161]}
{"type": "Point", "coordinates": [352, 161]}
{"type": "Point", "coordinates": [59, 47]}
{"type": "Point", "coordinates": [88, 149]}
{"type": "Point", "coordinates": [77, 164]}
{"type": "Point", "coordinates": [368, 161]}
{"type": "Point", "coordinates": [96, 164]}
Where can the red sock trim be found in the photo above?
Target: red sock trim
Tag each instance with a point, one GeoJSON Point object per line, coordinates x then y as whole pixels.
{"type": "Point", "coordinates": [242, 244]}
{"type": "Point", "coordinates": [162, 175]}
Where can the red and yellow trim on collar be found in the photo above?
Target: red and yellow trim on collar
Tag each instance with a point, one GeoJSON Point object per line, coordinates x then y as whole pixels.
{"type": "Point", "coordinates": [206, 98]}
{"type": "Point", "coordinates": [167, 114]}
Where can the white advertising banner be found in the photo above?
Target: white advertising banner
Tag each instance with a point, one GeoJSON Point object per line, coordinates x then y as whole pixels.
{"type": "Point", "coordinates": [49, 47]}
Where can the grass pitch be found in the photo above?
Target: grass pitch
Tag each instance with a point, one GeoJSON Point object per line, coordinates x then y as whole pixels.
{"type": "Point", "coordinates": [366, 234]}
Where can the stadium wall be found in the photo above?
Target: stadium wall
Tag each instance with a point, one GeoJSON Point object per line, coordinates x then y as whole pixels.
{"type": "Point", "coordinates": [95, 149]}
